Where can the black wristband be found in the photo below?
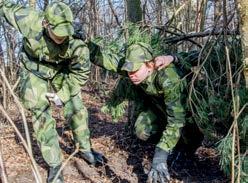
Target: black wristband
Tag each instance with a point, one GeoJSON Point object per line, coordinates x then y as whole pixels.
{"type": "Point", "coordinates": [175, 59]}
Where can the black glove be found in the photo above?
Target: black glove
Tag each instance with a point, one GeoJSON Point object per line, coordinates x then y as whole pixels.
{"type": "Point", "coordinates": [159, 171]}
{"type": "Point", "coordinates": [93, 157]}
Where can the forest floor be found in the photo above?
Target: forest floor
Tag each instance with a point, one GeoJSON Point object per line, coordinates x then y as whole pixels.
{"type": "Point", "coordinates": [129, 159]}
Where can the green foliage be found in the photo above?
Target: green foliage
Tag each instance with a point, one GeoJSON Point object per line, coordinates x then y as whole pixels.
{"type": "Point", "coordinates": [243, 127]}
{"type": "Point", "coordinates": [137, 34]}
{"type": "Point", "coordinates": [244, 168]}
{"type": "Point", "coordinates": [117, 110]}
{"type": "Point", "coordinates": [117, 104]}
{"type": "Point", "coordinates": [157, 44]}
{"type": "Point", "coordinates": [225, 149]}
{"type": "Point", "coordinates": [212, 98]}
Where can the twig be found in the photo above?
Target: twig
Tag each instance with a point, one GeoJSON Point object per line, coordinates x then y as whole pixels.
{"type": "Point", "coordinates": [176, 13]}
{"type": "Point", "coordinates": [2, 173]}
{"type": "Point", "coordinates": [16, 83]}
{"type": "Point", "coordinates": [235, 122]}
{"type": "Point", "coordinates": [233, 155]}
{"type": "Point", "coordinates": [239, 159]}
{"type": "Point", "coordinates": [34, 166]}
{"type": "Point", "coordinates": [66, 162]}
{"type": "Point", "coordinates": [114, 13]}
{"type": "Point", "coordinates": [20, 108]}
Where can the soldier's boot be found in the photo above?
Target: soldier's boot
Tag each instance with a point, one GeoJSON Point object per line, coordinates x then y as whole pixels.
{"type": "Point", "coordinates": [52, 172]}
{"type": "Point", "coordinates": [92, 157]}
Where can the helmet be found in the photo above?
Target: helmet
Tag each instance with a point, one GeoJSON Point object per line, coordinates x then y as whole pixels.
{"type": "Point", "coordinates": [136, 55]}
{"type": "Point", "coordinates": [60, 18]}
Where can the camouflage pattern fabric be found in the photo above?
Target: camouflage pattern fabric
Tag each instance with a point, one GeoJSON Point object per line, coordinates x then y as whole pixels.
{"type": "Point", "coordinates": [48, 67]}
{"type": "Point", "coordinates": [107, 56]}
{"type": "Point", "coordinates": [136, 55]}
{"type": "Point", "coordinates": [32, 90]}
{"type": "Point", "coordinates": [60, 19]}
{"type": "Point", "coordinates": [145, 125]}
{"type": "Point", "coordinates": [167, 85]}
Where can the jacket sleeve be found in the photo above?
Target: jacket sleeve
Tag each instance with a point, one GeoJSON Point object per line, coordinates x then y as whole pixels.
{"type": "Point", "coordinates": [186, 60]}
{"type": "Point", "coordinates": [77, 72]}
{"type": "Point", "coordinates": [172, 88]}
{"type": "Point", "coordinates": [108, 56]}
{"type": "Point", "coordinates": [20, 17]}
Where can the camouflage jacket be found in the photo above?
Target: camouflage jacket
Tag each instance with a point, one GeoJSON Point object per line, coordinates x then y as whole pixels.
{"type": "Point", "coordinates": [164, 84]}
{"type": "Point", "coordinates": [165, 89]}
{"type": "Point", "coordinates": [41, 56]}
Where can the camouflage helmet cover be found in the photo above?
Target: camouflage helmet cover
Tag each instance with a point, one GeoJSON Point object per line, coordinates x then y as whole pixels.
{"type": "Point", "coordinates": [136, 55]}
{"type": "Point", "coordinates": [60, 18]}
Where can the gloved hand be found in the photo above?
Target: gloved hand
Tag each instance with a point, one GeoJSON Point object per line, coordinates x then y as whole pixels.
{"type": "Point", "coordinates": [163, 61]}
{"type": "Point", "coordinates": [53, 97]}
{"type": "Point", "coordinates": [159, 171]}
{"type": "Point", "coordinates": [92, 157]}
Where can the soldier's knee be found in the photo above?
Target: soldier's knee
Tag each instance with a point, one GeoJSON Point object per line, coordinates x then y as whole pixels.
{"type": "Point", "coordinates": [77, 114]}
{"type": "Point", "coordinates": [75, 107]}
{"type": "Point", "coordinates": [47, 137]}
{"type": "Point", "coordinates": [142, 134]}
{"type": "Point", "coordinates": [33, 90]}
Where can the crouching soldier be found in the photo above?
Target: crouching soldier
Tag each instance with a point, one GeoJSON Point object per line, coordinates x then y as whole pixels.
{"type": "Point", "coordinates": [54, 66]}
{"type": "Point", "coordinates": [162, 88]}
{"type": "Point", "coordinates": [159, 93]}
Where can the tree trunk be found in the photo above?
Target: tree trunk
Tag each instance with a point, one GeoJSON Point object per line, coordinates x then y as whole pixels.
{"type": "Point", "coordinates": [243, 9]}
{"type": "Point", "coordinates": [134, 11]}
{"type": "Point", "coordinates": [159, 12]}
{"type": "Point", "coordinates": [46, 2]}
{"type": "Point", "coordinates": [144, 12]}
{"type": "Point", "coordinates": [3, 92]}
{"type": "Point", "coordinates": [113, 12]}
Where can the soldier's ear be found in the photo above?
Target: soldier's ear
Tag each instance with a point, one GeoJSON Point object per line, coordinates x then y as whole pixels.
{"type": "Point", "coordinates": [150, 64]}
{"type": "Point", "coordinates": [45, 23]}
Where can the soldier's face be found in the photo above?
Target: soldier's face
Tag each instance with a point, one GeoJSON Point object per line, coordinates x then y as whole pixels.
{"type": "Point", "coordinates": [140, 75]}
{"type": "Point", "coordinates": [56, 39]}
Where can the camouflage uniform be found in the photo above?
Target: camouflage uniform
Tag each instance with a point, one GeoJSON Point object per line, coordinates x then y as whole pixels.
{"type": "Point", "coordinates": [48, 67]}
{"type": "Point", "coordinates": [161, 91]}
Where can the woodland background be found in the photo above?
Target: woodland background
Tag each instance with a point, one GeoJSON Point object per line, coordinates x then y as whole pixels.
{"type": "Point", "coordinates": [219, 26]}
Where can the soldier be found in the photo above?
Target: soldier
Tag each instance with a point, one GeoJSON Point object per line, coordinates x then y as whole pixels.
{"type": "Point", "coordinates": [166, 86]}
{"type": "Point", "coordinates": [54, 67]}
{"type": "Point", "coordinates": [160, 92]}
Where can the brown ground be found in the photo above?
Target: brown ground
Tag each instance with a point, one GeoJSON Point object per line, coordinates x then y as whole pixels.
{"type": "Point", "coordinates": [128, 158]}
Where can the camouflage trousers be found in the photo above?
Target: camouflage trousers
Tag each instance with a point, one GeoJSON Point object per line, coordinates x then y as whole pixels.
{"type": "Point", "coordinates": [32, 93]}
{"type": "Point", "coordinates": [150, 125]}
